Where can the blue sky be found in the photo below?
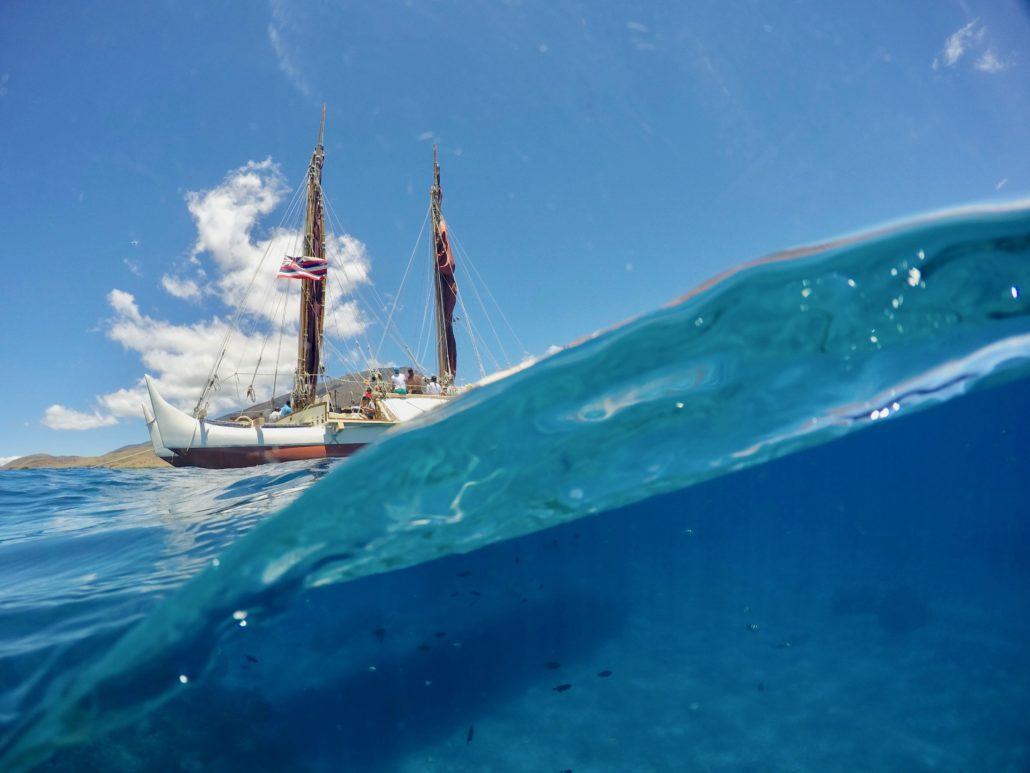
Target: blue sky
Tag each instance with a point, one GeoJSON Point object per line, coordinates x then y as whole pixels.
{"type": "Point", "coordinates": [598, 159]}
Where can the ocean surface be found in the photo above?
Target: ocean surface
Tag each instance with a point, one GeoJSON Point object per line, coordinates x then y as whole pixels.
{"type": "Point", "coordinates": [780, 524]}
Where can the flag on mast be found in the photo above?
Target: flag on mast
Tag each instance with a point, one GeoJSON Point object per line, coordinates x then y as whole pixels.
{"type": "Point", "coordinates": [305, 267]}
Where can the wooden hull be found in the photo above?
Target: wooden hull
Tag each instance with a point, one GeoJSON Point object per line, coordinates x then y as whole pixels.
{"type": "Point", "coordinates": [249, 456]}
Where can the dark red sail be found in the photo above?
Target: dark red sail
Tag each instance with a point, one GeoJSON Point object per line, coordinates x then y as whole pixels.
{"type": "Point", "coordinates": [446, 285]}
{"type": "Point", "coordinates": [448, 297]}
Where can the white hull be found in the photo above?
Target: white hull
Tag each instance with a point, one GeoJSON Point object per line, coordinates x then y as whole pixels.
{"type": "Point", "coordinates": [187, 441]}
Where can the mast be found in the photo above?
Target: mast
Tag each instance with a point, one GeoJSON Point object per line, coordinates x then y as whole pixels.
{"type": "Point", "coordinates": [445, 289]}
{"type": "Point", "coordinates": [312, 291]}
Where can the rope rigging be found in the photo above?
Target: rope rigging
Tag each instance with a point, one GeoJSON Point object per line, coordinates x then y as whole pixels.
{"type": "Point", "coordinates": [363, 295]}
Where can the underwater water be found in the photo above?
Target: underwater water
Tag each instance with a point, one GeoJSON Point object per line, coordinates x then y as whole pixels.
{"type": "Point", "coordinates": [759, 584]}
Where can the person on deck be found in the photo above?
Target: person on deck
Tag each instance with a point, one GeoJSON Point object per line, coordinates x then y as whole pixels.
{"type": "Point", "coordinates": [400, 382]}
{"type": "Point", "coordinates": [285, 411]}
{"type": "Point", "coordinates": [414, 382]}
{"type": "Point", "coordinates": [368, 405]}
{"type": "Point", "coordinates": [431, 387]}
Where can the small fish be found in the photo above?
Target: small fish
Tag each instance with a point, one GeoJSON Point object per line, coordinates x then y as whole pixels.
{"type": "Point", "coordinates": [760, 686]}
{"type": "Point", "coordinates": [475, 593]}
{"type": "Point", "coordinates": [423, 647]}
{"type": "Point", "coordinates": [562, 687]}
{"type": "Point", "coordinates": [471, 733]}
{"type": "Point", "coordinates": [784, 645]}
{"type": "Point", "coordinates": [464, 573]}
{"type": "Point", "coordinates": [252, 659]}
{"type": "Point", "coordinates": [380, 634]}
{"type": "Point", "coordinates": [752, 626]}
{"type": "Point", "coordinates": [553, 665]}
{"type": "Point", "coordinates": [440, 634]}
{"type": "Point", "coordinates": [518, 560]}
{"type": "Point", "coordinates": [455, 593]}
{"type": "Point", "coordinates": [604, 674]}
{"type": "Point", "coordinates": [554, 543]}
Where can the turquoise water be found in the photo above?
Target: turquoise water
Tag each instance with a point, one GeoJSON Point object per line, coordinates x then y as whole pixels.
{"type": "Point", "coordinates": [747, 594]}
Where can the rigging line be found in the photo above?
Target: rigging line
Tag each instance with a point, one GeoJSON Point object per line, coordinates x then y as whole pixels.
{"type": "Point", "coordinates": [268, 333]}
{"type": "Point", "coordinates": [239, 312]}
{"type": "Point", "coordinates": [364, 334]}
{"type": "Point", "coordinates": [279, 350]}
{"type": "Point", "coordinates": [472, 336]}
{"type": "Point", "coordinates": [357, 285]}
{"type": "Point", "coordinates": [291, 210]}
{"type": "Point", "coordinates": [334, 217]}
{"type": "Point", "coordinates": [394, 334]}
{"type": "Point", "coordinates": [422, 337]}
{"type": "Point", "coordinates": [400, 290]}
{"type": "Point", "coordinates": [272, 290]}
{"type": "Point", "coordinates": [475, 289]}
{"type": "Point", "coordinates": [486, 287]}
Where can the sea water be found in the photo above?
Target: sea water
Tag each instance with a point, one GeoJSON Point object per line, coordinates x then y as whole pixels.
{"type": "Point", "coordinates": [781, 524]}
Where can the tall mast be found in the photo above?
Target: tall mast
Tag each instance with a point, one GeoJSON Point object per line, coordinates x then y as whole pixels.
{"type": "Point", "coordinates": [445, 289]}
{"type": "Point", "coordinates": [312, 292]}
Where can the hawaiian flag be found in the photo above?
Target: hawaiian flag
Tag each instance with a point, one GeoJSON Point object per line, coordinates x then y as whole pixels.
{"type": "Point", "coordinates": [303, 268]}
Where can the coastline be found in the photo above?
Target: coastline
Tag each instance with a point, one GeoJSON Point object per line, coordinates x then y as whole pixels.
{"type": "Point", "coordinates": [138, 456]}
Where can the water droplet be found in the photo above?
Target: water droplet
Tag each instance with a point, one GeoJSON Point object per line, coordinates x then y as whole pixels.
{"type": "Point", "coordinates": [239, 614]}
{"type": "Point", "coordinates": [183, 679]}
{"type": "Point", "coordinates": [806, 292]}
{"type": "Point", "coordinates": [913, 276]}
{"type": "Point", "coordinates": [1015, 291]}
{"type": "Point", "coordinates": [852, 283]}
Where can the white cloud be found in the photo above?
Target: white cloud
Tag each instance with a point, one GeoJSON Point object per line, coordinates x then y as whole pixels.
{"type": "Point", "coordinates": [244, 268]}
{"type": "Point", "coordinates": [133, 266]}
{"type": "Point", "coordinates": [59, 417]}
{"type": "Point", "coordinates": [124, 402]}
{"type": "Point", "coordinates": [970, 38]}
{"type": "Point", "coordinates": [990, 63]}
{"type": "Point", "coordinates": [957, 43]}
{"type": "Point", "coordinates": [123, 303]}
{"type": "Point", "coordinates": [186, 289]}
{"type": "Point", "coordinates": [1001, 183]}
{"type": "Point", "coordinates": [283, 55]}
{"type": "Point", "coordinates": [7, 459]}
{"type": "Point", "coordinates": [226, 261]}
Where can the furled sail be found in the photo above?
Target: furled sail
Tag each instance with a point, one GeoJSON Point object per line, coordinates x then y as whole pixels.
{"type": "Point", "coordinates": [446, 287]}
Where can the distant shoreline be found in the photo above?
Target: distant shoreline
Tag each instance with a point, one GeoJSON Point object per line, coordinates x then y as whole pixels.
{"type": "Point", "coordinates": [140, 456]}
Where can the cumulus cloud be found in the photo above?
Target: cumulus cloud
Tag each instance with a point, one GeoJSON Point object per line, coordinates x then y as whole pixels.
{"type": "Point", "coordinates": [243, 267]}
{"type": "Point", "coordinates": [186, 289]}
{"type": "Point", "coordinates": [59, 417]}
{"type": "Point", "coordinates": [233, 266]}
